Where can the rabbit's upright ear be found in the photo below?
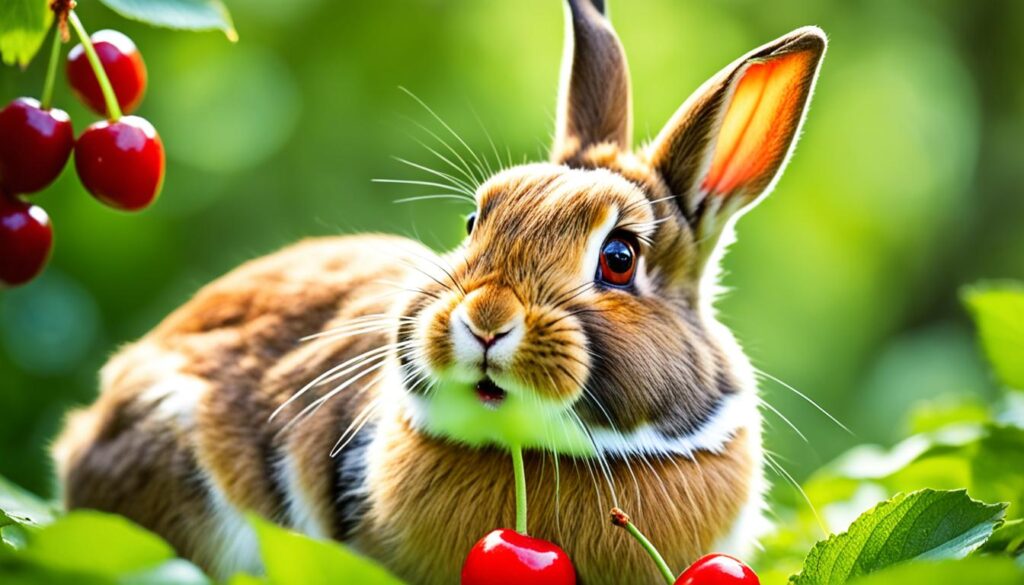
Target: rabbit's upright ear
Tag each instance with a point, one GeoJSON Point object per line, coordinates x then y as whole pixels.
{"type": "Point", "coordinates": [594, 96]}
{"type": "Point", "coordinates": [725, 147]}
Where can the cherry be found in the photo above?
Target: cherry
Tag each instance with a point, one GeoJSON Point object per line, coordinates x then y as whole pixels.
{"type": "Point", "coordinates": [34, 145]}
{"type": "Point", "coordinates": [507, 557]}
{"type": "Point", "coordinates": [26, 238]}
{"type": "Point", "coordinates": [123, 64]}
{"type": "Point", "coordinates": [718, 569]}
{"type": "Point", "coordinates": [121, 163]}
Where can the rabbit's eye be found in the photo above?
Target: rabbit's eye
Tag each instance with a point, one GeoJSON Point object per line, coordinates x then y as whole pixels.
{"type": "Point", "coordinates": [470, 222]}
{"type": "Point", "coordinates": [618, 261]}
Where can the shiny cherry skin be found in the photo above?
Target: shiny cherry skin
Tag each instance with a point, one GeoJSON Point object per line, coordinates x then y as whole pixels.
{"type": "Point", "coordinates": [121, 163]}
{"type": "Point", "coordinates": [123, 64]}
{"type": "Point", "coordinates": [506, 557]}
{"type": "Point", "coordinates": [34, 145]}
{"type": "Point", "coordinates": [718, 569]}
{"type": "Point", "coordinates": [26, 239]}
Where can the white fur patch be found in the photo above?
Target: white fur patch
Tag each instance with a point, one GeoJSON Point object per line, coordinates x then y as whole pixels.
{"type": "Point", "coordinates": [302, 514]}
{"type": "Point", "coordinates": [229, 542]}
{"type": "Point", "coordinates": [751, 524]}
{"type": "Point", "coordinates": [175, 397]}
{"type": "Point", "coordinates": [735, 412]}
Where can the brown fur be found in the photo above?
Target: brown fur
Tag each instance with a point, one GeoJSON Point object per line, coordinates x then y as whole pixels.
{"type": "Point", "coordinates": [679, 503]}
{"type": "Point", "coordinates": [194, 420]}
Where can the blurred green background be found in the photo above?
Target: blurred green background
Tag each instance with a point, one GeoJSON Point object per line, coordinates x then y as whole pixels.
{"type": "Point", "coordinates": [906, 184]}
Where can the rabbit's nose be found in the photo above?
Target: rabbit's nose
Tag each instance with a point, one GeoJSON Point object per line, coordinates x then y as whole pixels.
{"type": "Point", "coordinates": [490, 312]}
{"type": "Point", "coordinates": [486, 338]}
{"type": "Point", "coordinates": [486, 327]}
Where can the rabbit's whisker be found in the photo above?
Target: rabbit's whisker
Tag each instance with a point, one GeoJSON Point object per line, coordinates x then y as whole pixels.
{"type": "Point", "coordinates": [463, 170]}
{"type": "Point", "coordinates": [425, 184]}
{"type": "Point", "coordinates": [359, 360]}
{"type": "Point", "coordinates": [450, 130]}
{"type": "Point", "coordinates": [494, 147]}
{"type": "Point", "coordinates": [433, 196]}
{"type": "Point", "coordinates": [779, 414]}
{"type": "Point", "coordinates": [781, 471]}
{"type": "Point", "coordinates": [456, 181]}
{"type": "Point", "coordinates": [355, 426]}
{"type": "Point", "coordinates": [807, 398]}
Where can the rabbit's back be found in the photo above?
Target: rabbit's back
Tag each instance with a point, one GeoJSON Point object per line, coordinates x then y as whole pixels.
{"type": "Point", "coordinates": [181, 437]}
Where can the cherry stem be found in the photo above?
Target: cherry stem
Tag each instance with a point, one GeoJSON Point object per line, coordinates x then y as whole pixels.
{"type": "Point", "coordinates": [46, 100]}
{"type": "Point", "coordinates": [520, 473]}
{"type": "Point", "coordinates": [113, 108]}
{"type": "Point", "coordinates": [620, 519]}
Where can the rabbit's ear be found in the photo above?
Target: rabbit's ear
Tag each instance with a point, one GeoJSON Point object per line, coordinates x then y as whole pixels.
{"type": "Point", "coordinates": [725, 147]}
{"type": "Point", "coordinates": [594, 96]}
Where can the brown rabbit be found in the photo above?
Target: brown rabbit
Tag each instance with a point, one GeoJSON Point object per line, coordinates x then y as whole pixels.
{"type": "Point", "coordinates": [574, 320]}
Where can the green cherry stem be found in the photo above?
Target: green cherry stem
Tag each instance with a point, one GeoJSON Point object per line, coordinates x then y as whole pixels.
{"type": "Point", "coordinates": [46, 100]}
{"type": "Point", "coordinates": [620, 519]}
{"type": "Point", "coordinates": [520, 473]}
{"type": "Point", "coordinates": [113, 108]}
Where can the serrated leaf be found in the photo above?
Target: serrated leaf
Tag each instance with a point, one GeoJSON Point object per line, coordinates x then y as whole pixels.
{"type": "Point", "coordinates": [990, 571]}
{"type": "Point", "coordinates": [924, 525]}
{"type": "Point", "coordinates": [23, 26]}
{"type": "Point", "coordinates": [294, 559]}
{"type": "Point", "coordinates": [998, 311]}
{"type": "Point", "coordinates": [178, 14]}
{"type": "Point", "coordinates": [20, 507]}
{"type": "Point", "coordinates": [96, 543]}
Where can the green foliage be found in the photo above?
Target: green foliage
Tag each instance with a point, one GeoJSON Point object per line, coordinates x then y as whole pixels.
{"type": "Point", "coordinates": [924, 525]}
{"type": "Point", "coordinates": [23, 26]}
{"type": "Point", "coordinates": [24, 23]}
{"type": "Point", "coordinates": [179, 14]}
{"type": "Point", "coordinates": [20, 507]}
{"type": "Point", "coordinates": [293, 559]}
{"type": "Point", "coordinates": [990, 571]}
{"type": "Point", "coordinates": [999, 313]}
{"type": "Point", "coordinates": [94, 548]}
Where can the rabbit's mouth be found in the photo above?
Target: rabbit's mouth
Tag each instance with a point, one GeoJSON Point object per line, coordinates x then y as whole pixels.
{"type": "Point", "coordinates": [489, 393]}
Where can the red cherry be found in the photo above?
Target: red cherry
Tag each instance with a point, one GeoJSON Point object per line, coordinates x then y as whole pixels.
{"type": "Point", "coordinates": [34, 145]}
{"type": "Point", "coordinates": [123, 64]}
{"type": "Point", "coordinates": [718, 569]}
{"type": "Point", "coordinates": [121, 163]}
{"type": "Point", "coordinates": [506, 557]}
{"type": "Point", "coordinates": [26, 238]}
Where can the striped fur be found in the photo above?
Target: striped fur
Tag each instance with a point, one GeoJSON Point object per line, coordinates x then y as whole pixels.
{"type": "Point", "coordinates": [223, 409]}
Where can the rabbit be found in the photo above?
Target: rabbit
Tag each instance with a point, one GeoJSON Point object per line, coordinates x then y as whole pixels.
{"type": "Point", "coordinates": [575, 320]}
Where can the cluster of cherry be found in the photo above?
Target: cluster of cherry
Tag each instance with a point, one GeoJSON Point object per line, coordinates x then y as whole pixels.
{"type": "Point", "coordinates": [119, 160]}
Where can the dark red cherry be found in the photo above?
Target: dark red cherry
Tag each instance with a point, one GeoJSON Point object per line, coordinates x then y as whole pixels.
{"type": "Point", "coordinates": [506, 557]}
{"type": "Point", "coordinates": [34, 145]}
{"type": "Point", "coordinates": [718, 569]}
{"type": "Point", "coordinates": [121, 163]}
{"type": "Point", "coordinates": [26, 238]}
{"type": "Point", "coordinates": [123, 64]}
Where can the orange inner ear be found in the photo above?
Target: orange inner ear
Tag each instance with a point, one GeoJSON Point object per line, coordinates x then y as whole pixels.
{"type": "Point", "coordinates": [758, 126]}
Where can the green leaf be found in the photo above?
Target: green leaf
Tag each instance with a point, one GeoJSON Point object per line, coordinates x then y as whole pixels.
{"type": "Point", "coordinates": [998, 311]}
{"type": "Point", "coordinates": [20, 507]}
{"type": "Point", "coordinates": [23, 26]}
{"type": "Point", "coordinates": [179, 14]}
{"type": "Point", "coordinates": [293, 559]}
{"type": "Point", "coordinates": [990, 571]}
{"type": "Point", "coordinates": [174, 572]}
{"type": "Point", "coordinates": [924, 525]}
{"type": "Point", "coordinates": [1008, 538]}
{"type": "Point", "coordinates": [96, 543]}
